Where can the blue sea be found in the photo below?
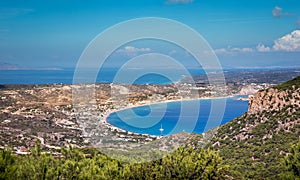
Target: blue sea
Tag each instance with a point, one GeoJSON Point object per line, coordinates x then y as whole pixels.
{"type": "Point", "coordinates": [105, 75]}
{"type": "Point", "coordinates": [170, 121]}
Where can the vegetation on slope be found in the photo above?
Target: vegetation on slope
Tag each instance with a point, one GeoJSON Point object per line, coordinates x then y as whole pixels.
{"type": "Point", "coordinates": [255, 144]}
{"type": "Point", "coordinates": [289, 84]}
{"type": "Point", "coordinates": [253, 148]}
{"type": "Point", "coordinates": [184, 163]}
{"type": "Point", "coordinates": [292, 163]}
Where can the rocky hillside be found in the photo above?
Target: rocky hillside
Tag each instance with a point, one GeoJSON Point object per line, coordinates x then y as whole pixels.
{"type": "Point", "coordinates": [255, 143]}
{"type": "Point", "coordinates": [276, 98]}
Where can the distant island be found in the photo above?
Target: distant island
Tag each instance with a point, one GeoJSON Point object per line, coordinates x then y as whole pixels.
{"type": "Point", "coordinates": [9, 66]}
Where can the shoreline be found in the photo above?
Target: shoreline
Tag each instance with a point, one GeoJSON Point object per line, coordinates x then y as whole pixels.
{"type": "Point", "coordinates": [109, 112]}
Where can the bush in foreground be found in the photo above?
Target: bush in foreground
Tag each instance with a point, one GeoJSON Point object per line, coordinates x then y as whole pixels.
{"type": "Point", "coordinates": [184, 163]}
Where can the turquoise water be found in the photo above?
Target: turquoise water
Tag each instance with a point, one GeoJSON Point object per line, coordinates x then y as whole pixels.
{"type": "Point", "coordinates": [171, 123]}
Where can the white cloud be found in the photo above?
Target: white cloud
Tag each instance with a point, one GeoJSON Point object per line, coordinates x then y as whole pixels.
{"type": "Point", "coordinates": [289, 42]}
{"type": "Point", "coordinates": [133, 51]}
{"type": "Point", "coordinates": [173, 52]}
{"type": "Point", "coordinates": [277, 12]}
{"type": "Point", "coordinates": [179, 1]}
{"type": "Point", "coordinates": [231, 51]}
{"type": "Point", "coordinates": [221, 51]}
{"type": "Point", "coordinates": [245, 50]}
{"type": "Point", "coordinates": [263, 48]}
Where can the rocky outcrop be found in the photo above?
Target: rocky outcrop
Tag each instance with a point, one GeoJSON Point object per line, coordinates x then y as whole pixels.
{"type": "Point", "coordinates": [246, 90]}
{"type": "Point", "coordinates": [256, 143]}
{"type": "Point", "coordinates": [274, 99]}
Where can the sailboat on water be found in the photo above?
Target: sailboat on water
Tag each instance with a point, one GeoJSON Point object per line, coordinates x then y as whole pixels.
{"type": "Point", "coordinates": [161, 130]}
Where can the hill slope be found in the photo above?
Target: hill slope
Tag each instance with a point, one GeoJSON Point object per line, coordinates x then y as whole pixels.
{"type": "Point", "coordinates": [255, 143]}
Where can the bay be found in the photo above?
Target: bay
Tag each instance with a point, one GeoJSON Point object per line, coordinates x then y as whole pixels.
{"type": "Point", "coordinates": [170, 119]}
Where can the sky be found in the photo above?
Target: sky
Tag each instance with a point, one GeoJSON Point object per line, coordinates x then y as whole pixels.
{"type": "Point", "coordinates": [242, 33]}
